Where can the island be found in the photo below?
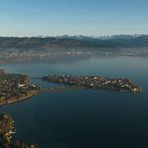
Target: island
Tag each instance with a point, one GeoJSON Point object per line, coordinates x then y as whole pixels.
{"type": "Point", "coordinates": [94, 82]}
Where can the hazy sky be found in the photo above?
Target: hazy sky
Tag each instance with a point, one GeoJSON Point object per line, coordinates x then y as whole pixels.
{"type": "Point", "coordinates": [73, 17]}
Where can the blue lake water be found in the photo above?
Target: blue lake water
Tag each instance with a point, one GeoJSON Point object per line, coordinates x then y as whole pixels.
{"type": "Point", "coordinates": [83, 118]}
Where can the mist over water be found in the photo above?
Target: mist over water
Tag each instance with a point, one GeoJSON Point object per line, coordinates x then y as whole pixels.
{"type": "Point", "coordinates": [83, 118]}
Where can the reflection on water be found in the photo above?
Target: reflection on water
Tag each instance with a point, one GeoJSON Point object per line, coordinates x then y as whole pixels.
{"type": "Point", "coordinates": [84, 118]}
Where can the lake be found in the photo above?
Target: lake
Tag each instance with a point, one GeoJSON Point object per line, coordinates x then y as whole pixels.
{"type": "Point", "coordinates": [83, 118]}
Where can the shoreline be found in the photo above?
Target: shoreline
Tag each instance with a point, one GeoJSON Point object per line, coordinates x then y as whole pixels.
{"type": "Point", "coordinates": [19, 99]}
{"type": "Point", "coordinates": [7, 130]}
{"type": "Point", "coordinates": [131, 52]}
{"type": "Point", "coordinates": [14, 100]}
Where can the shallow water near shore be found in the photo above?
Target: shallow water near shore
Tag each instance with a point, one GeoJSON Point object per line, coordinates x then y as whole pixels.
{"type": "Point", "coordinates": [83, 118]}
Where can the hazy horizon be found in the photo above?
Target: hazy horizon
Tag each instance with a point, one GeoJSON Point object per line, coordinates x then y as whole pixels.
{"type": "Point", "coordinates": [71, 35]}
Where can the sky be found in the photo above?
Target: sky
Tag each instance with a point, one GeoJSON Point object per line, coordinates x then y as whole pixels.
{"type": "Point", "coordinates": [73, 17]}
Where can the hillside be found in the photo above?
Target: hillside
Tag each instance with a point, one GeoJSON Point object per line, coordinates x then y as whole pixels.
{"type": "Point", "coordinates": [66, 42]}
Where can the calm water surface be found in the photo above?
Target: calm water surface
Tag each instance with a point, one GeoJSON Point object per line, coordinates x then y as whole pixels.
{"type": "Point", "coordinates": [84, 118]}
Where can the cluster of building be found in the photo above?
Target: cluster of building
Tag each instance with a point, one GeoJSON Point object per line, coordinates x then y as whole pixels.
{"type": "Point", "coordinates": [95, 82]}
{"type": "Point", "coordinates": [6, 129]}
{"type": "Point", "coordinates": [15, 87]}
{"type": "Point", "coordinates": [6, 133]}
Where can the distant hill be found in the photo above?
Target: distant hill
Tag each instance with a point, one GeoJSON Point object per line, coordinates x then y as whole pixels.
{"type": "Point", "coordinates": [70, 42]}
